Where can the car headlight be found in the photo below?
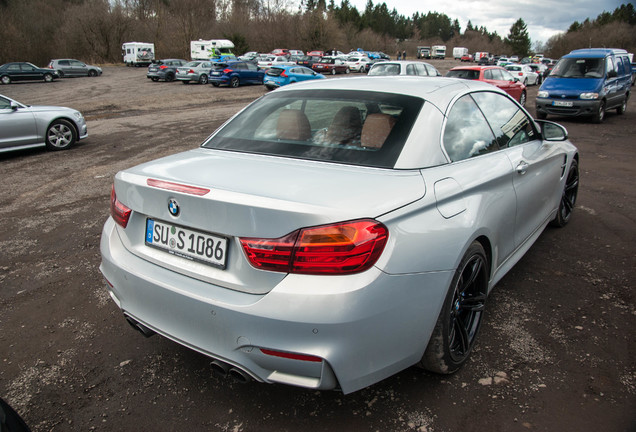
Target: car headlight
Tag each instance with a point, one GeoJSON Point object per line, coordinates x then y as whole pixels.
{"type": "Point", "coordinates": [543, 94]}
{"type": "Point", "coordinates": [78, 115]}
{"type": "Point", "coordinates": [589, 96]}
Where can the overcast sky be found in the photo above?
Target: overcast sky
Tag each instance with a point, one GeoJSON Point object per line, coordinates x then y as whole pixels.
{"type": "Point", "coordinates": [544, 18]}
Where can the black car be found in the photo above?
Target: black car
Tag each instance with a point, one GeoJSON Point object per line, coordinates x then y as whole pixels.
{"type": "Point", "coordinates": [164, 69]}
{"type": "Point", "coordinates": [308, 61]}
{"type": "Point", "coordinates": [23, 71]}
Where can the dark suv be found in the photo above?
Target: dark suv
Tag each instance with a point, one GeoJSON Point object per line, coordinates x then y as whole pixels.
{"type": "Point", "coordinates": [235, 73]}
{"type": "Point", "coordinates": [164, 69]}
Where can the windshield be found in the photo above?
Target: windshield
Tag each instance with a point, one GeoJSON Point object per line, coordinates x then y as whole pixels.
{"type": "Point", "coordinates": [386, 69]}
{"type": "Point", "coordinates": [579, 68]}
{"type": "Point", "coordinates": [351, 127]}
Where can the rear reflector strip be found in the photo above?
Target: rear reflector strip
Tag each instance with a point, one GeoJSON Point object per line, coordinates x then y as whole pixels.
{"type": "Point", "coordinates": [292, 356]}
{"type": "Point", "coordinates": [176, 187]}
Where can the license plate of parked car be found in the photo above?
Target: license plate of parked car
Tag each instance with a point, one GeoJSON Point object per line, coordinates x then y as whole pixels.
{"type": "Point", "coordinates": [562, 103]}
{"type": "Point", "coordinates": [187, 243]}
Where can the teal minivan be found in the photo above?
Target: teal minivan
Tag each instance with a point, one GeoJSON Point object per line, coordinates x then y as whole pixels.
{"type": "Point", "coordinates": [587, 82]}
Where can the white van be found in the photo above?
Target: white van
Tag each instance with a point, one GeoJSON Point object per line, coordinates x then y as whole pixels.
{"type": "Point", "coordinates": [138, 53]}
{"type": "Point", "coordinates": [459, 52]}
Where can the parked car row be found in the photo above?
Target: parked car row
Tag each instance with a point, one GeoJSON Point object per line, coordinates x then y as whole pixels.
{"type": "Point", "coordinates": [58, 68]}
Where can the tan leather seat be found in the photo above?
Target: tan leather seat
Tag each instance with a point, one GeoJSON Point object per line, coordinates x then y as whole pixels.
{"type": "Point", "coordinates": [293, 125]}
{"type": "Point", "coordinates": [376, 129]}
{"type": "Point", "coordinates": [345, 127]}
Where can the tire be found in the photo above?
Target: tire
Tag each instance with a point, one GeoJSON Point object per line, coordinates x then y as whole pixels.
{"type": "Point", "coordinates": [92, 73]}
{"type": "Point", "coordinates": [61, 74]}
{"type": "Point", "coordinates": [154, 79]}
{"type": "Point", "coordinates": [522, 99]}
{"type": "Point", "coordinates": [599, 116]}
{"type": "Point", "coordinates": [333, 71]}
{"type": "Point", "coordinates": [458, 323]}
{"type": "Point", "coordinates": [185, 82]}
{"type": "Point", "coordinates": [60, 135]}
{"type": "Point", "coordinates": [169, 77]}
{"type": "Point", "coordinates": [203, 79]}
{"type": "Point", "coordinates": [215, 84]}
{"type": "Point", "coordinates": [541, 115]}
{"type": "Point", "coordinates": [623, 107]}
{"type": "Point", "coordinates": [235, 82]}
{"type": "Point", "coordinates": [48, 78]}
{"type": "Point", "coordinates": [6, 79]}
{"type": "Point", "coordinates": [568, 197]}
{"type": "Point", "coordinates": [347, 71]}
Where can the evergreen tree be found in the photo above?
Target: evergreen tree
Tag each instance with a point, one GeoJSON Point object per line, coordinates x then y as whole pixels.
{"type": "Point", "coordinates": [518, 39]}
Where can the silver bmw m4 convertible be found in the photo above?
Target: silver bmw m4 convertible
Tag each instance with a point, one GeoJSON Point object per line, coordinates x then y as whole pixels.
{"type": "Point", "coordinates": [336, 232]}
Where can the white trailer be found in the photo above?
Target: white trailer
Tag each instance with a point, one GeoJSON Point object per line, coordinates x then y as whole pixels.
{"type": "Point", "coordinates": [213, 49]}
{"type": "Point", "coordinates": [439, 51]}
{"type": "Point", "coordinates": [138, 53]}
{"type": "Point", "coordinates": [459, 52]}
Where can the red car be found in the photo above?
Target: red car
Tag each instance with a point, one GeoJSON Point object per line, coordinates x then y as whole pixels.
{"type": "Point", "coordinates": [467, 58]}
{"type": "Point", "coordinates": [280, 52]}
{"type": "Point", "coordinates": [316, 53]}
{"type": "Point", "coordinates": [332, 66]}
{"type": "Point", "coordinates": [494, 75]}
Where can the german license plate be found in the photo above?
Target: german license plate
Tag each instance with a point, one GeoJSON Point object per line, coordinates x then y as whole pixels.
{"type": "Point", "coordinates": [562, 103]}
{"type": "Point", "coordinates": [186, 243]}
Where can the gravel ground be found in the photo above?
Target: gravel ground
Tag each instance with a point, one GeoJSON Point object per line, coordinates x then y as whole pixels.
{"type": "Point", "coordinates": [555, 353]}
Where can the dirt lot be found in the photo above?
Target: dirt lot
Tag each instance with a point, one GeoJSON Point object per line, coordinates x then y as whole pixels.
{"type": "Point", "coordinates": [557, 351]}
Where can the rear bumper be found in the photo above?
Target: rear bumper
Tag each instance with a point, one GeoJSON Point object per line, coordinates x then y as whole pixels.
{"type": "Point", "coordinates": [362, 328]}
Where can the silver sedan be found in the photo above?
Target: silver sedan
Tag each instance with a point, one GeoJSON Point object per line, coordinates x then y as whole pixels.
{"type": "Point", "coordinates": [336, 232]}
{"type": "Point", "coordinates": [197, 71]}
{"type": "Point", "coordinates": [23, 126]}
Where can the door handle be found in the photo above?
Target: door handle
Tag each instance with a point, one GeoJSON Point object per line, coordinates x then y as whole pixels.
{"type": "Point", "coordinates": [522, 167]}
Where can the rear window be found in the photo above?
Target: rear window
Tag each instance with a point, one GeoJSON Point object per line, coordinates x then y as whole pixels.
{"type": "Point", "coordinates": [219, 66]}
{"type": "Point", "coordinates": [463, 74]}
{"type": "Point", "coordinates": [343, 126]}
{"type": "Point", "coordinates": [274, 72]}
{"type": "Point", "coordinates": [385, 69]}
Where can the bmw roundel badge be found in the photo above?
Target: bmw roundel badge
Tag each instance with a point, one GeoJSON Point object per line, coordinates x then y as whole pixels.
{"type": "Point", "coordinates": [173, 207]}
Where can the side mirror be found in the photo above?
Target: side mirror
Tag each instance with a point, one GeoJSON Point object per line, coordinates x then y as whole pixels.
{"type": "Point", "coordinates": [14, 106]}
{"type": "Point", "coordinates": [551, 131]}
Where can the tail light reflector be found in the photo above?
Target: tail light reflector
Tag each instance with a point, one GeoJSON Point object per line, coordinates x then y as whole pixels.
{"type": "Point", "coordinates": [335, 249]}
{"type": "Point", "coordinates": [293, 356]}
{"type": "Point", "coordinates": [118, 211]}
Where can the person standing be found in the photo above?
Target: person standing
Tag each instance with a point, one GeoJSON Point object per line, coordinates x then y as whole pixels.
{"type": "Point", "coordinates": [404, 55]}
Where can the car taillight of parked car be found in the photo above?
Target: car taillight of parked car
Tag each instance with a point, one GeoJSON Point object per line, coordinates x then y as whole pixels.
{"type": "Point", "coordinates": [163, 67]}
{"type": "Point", "coordinates": [227, 71]}
{"type": "Point", "coordinates": [334, 249]}
{"type": "Point", "coordinates": [283, 74]}
{"type": "Point", "coordinates": [190, 71]}
{"type": "Point", "coordinates": [119, 212]}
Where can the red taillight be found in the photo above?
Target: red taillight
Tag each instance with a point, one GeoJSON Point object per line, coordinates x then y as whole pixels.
{"type": "Point", "coordinates": [293, 356]}
{"type": "Point", "coordinates": [163, 67]}
{"type": "Point", "coordinates": [283, 74]}
{"type": "Point", "coordinates": [337, 249]}
{"type": "Point", "coordinates": [227, 71]}
{"type": "Point", "coordinates": [177, 187]}
{"type": "Point", "coordinates": [118, 211]}
{"type": "Point", "coordinates": [190, 71]}
{"type": "Point", "coordinates": [520, 73]}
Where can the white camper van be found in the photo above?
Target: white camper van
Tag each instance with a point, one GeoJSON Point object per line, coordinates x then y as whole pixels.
{"type": "Point", "coordinates": [439, 51]}
{"type": "Point", "coordinates": [138, 53]}
{"type": "Point", "coordinates": [459, 52]}
{"type": "Point", "coordinates": [213, 49]}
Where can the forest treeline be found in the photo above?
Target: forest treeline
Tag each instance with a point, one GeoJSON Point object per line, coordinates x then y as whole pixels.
{"type": "Point", "coordinates": [93, 30]}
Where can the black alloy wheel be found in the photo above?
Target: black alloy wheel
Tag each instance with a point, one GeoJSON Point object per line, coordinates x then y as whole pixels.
{"type": "Point", "coordinates": [568, 197]}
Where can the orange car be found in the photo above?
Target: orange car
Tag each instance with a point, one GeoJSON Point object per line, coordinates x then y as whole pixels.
{"type": "Point", "coordinates": [494, 75]}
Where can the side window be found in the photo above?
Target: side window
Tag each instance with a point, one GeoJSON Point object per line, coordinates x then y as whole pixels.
{"type": "Point", "coordinates": [609, 65]}
{"type": "Point", "coordinates": [619, 66]}
{"type": "Point", "coordinates": [4, 103]}
{"type": "Point", "coordinates": [467, 133]}
{"type": "Point", "coordinates": [509, 123]}
{"type": "Point", "coordinates": [410, 70]}
{"type": "Point", "coordinates": [64, 62]}
{"type": "Point", "coordinates": [421, 70]}
{"type": "Point", "coordinates": [431, 70]}
{"type": "Point", "coordinates": [488, 74]}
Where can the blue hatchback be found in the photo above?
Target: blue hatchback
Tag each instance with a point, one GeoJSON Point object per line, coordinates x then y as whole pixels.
{"type": "Point", "coordinates": [282, 75]}
{"type": "Point", "coordinates": [587, 82]}
{"type": "Point", "coordinates": [235, 73]}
